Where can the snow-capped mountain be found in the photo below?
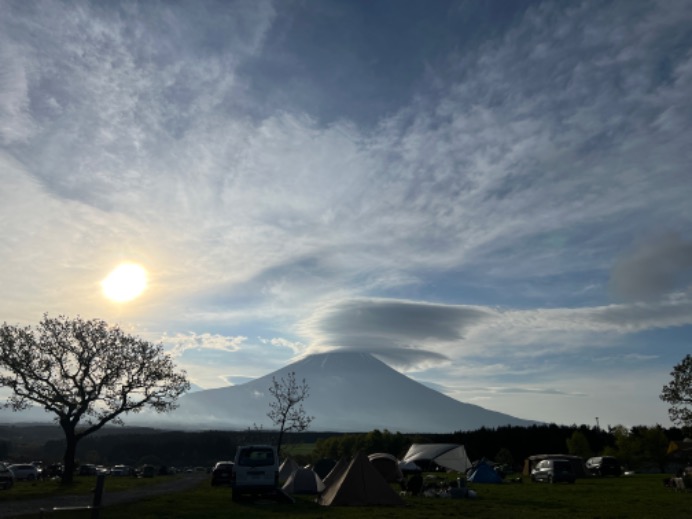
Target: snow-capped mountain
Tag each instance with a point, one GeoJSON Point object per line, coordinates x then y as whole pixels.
{"type": "Point", "coordinates": [349, 392]}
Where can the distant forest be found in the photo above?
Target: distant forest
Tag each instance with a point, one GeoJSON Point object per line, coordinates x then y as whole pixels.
{"type": "Point", "coordinates": [638, 447]}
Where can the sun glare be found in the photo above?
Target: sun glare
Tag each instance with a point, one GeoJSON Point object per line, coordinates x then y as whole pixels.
{"type": "Point", "coordinates": [125, 283]}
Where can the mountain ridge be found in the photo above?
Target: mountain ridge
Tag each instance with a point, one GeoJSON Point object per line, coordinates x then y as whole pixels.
{"type": "Point", "coordinates": [349, 392]}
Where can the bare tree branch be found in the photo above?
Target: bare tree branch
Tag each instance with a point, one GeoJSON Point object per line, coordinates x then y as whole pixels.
{"type": "Point", "coordinates": [286, 410]}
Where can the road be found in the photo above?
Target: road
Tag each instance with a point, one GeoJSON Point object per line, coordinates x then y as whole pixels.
{"type": "Point", "coordinates": [33, 506]}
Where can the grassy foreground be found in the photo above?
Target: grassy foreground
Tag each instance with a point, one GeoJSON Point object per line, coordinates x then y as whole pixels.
{"type": "Point", "coordinates": [639, 496]}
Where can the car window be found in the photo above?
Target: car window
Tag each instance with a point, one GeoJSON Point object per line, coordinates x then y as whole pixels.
{"type": "Point", "coordinates": [256, 457]}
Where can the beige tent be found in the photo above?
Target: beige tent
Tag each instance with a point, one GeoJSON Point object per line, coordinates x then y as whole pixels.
{"type": "Point", "coordinates": [336, 471]}
{"type": "Point", "coordinates": [303, 481]}
{"type": "Point", "coordinates": [360, 485]}
{"type": "Point", "coordinates": [288, 467]}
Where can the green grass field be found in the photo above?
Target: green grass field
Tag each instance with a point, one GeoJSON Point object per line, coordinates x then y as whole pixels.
{"type": "Point", "coordinates": [639, 496]}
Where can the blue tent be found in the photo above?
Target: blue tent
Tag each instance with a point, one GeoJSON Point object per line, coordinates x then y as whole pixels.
{"type": "Point", "coordinates": [484, 473]}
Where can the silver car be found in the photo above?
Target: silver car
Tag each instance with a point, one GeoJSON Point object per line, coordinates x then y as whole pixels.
{"type": "Point", "coordinates": [255, 471]}
{"type": "Point", "coordinates": [553, 471]}
{"type": "Point", "coordinates": [6, 476]}
{"type": "Point", "coordinates": [24, 471]}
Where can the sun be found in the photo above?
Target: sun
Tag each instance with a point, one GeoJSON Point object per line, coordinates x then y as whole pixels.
{"type": "Point", "coordinates": [126, 282]}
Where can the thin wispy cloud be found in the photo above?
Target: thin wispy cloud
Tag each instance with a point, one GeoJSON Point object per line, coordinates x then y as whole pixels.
{"type": "Point", "coordinates": [453, 188]}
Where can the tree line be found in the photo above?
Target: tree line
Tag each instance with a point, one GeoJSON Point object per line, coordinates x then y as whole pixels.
{"type": "Point", "coordinates": [637, 447]}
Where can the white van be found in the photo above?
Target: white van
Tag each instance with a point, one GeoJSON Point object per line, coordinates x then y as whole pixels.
{"type": "Point", "coordinates": [255, 471]}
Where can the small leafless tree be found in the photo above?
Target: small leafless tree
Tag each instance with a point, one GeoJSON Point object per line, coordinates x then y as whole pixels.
{"type": "Point", "coordinates": [286, 410]}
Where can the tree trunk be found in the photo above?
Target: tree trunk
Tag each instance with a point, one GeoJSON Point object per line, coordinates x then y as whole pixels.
{"type": "Point", "coordinates": [69, 457]}
{"type": "Point", "coordinates": [281, 437]}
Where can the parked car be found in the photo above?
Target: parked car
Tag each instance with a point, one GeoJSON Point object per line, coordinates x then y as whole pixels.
{"type": "Point", "coordinates": [6, 476]}
{"type": "Point", "coordinates": [147, 471]}
{"type": "Point", "coordinates": [122, 470]}
{"type": "Point", "coordinates": [221, 473]}
{"type": "Point", "coordinates": [87, 469]}
{"type": "Point", "coordinates": [255, 471]}
{"type": "Point", "coordinates": [54, 470]}
{"type": "Point", "coordinates": [24, 471]}
{"type": "Point", "coordinates": [603, 466]}
{"type": "Point", "coordinates": [42, 474]}
{"type": "Point", "coordinates": [553, 471]}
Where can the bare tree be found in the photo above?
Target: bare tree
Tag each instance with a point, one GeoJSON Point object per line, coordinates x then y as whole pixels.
{"type": "Point", "coordinates": [86, 373]}
{"type": "Point", "coordinates": [286, 410]}
{"type": "Point", "coordinates": [678, 393]}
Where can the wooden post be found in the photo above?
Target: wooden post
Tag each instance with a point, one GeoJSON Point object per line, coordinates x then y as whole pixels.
{"type": "Point", "coordinates": [98, 494]}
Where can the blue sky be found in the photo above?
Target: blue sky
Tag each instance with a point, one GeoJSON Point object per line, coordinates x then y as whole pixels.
{"type": "Point", "coordinates": [493, 197]}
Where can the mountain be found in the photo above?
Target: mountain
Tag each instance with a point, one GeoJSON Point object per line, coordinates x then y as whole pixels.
{"type": "Point", "coordinates": [349, 392]}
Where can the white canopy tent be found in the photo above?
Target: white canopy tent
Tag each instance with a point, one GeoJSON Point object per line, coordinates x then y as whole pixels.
{"type": "Point", "coordinates": [451, 456]}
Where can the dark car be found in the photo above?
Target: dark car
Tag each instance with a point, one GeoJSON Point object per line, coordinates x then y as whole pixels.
{"type": "Point", "coordinates": [603, 466]}
{"type": "Point", "coordinates": [221, 473]}
{"type": "Point", "coordinates": [553, 471]}
{"type": "Point", "coordinates": [87, 469]}
{"type": "Point", "coordinates": [6, 476]}
{"type": "Point", "coordinates": [147, 471]}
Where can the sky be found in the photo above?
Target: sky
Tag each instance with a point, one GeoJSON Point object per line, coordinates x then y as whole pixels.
{"type": "Point", "coordinates": [491, 197]}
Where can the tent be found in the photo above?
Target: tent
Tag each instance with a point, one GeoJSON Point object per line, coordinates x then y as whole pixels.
{"type": "Point", "coordinates": [303, 481]}
{"type": "Point", "coordinates": [409, 467]}
{"type": "Point", "coordinates": [360, 485]}
{"type": "Point", "coordinates": [451, 456]}
{"type": "Point", "coordinates": [484, 473]}
{"type": "Point", "coordinates": [336, 471]}
{"type": "Point", "coordinates": [323, 467]}
{"type": "Point", "coordinates": [288, 467]}
{"type": "Point", "coordinates": [387, 465]}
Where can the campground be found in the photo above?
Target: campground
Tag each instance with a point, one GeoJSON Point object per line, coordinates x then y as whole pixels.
{"type": "Point", "coordinates": [639, 495]}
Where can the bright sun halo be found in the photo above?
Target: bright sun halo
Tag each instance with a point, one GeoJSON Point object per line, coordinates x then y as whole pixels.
{"type": "Point", "coordinates": [126, 282]}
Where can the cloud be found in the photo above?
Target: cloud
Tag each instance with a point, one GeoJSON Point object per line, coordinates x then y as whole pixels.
{"type": "Point", "coordinates": [294, 346]}
{"type": "Point", "coordinates": [653, 269]}
{"type": "Point", "coordinates": [530, 390]}
{"type": "Point", "coordinates": [180, 343]}
{"type": "Point", "coordinates": [416, 334]}
{"type": "Point", "coordinates": [505, 165]}
{"type": "Point", "coordinates": [394, 329]}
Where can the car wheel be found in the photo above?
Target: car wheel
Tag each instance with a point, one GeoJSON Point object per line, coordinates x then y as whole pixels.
{"type": "Point", "coordinates": [551, 480]}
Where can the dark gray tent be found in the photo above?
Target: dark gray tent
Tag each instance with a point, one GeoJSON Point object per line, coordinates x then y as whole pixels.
{"type": "Point", "coordinates": [360, 485]}
{"type": "Point", "coordinates": [387, 465]}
